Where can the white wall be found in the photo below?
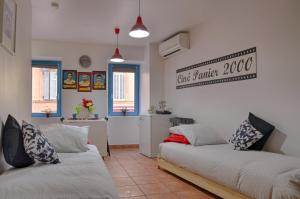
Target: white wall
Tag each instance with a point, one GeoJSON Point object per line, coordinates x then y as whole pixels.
{"type": "Point", "coordinates": [156, 76]}
{"type": "Point", "coordinates": [273, 27]}
{"type": "Point", "coordinates": [152, 76]}
{"type": "Point", "coordinates": [145, 83]}
{"type": "Point", "coordinates": [69, 53]}
{"type": "Point", "coordinates": [15, 71]}
{"type": "Point", "coordinates": [123, 130]}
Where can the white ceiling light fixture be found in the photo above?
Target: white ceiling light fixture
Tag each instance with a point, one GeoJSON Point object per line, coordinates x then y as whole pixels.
{"type": "Point", "coordinates": [117, 57]}
{"type": "Point", "coordinates": [139, 30]}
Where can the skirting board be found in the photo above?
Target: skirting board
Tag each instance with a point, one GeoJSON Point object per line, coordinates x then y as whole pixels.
{"type": "Point", "coordinates": [200, 181]}
{"type": "Point", "coordinates": [127, 146]}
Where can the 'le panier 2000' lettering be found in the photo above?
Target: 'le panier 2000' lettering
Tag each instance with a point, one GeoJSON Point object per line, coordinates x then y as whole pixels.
{"type": "Point", "coordinates": [233, 67]}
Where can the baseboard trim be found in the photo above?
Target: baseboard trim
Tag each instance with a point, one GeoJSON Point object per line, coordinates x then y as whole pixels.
{"type": "Point", "coordinates": [125, 146]}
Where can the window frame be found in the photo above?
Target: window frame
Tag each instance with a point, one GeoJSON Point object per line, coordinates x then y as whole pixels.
{"type": "Point", "coordinates": [49, 63]}
{"type": "Point", "coordinates": [136, 67]}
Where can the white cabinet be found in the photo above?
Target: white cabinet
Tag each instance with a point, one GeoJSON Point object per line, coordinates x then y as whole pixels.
{"type": "Point", "coordinates": [97, 132]}
{"type": "Point", "coordinates": [153, 130]}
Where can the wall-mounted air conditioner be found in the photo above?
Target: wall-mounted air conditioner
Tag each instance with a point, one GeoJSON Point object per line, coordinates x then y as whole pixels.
{"type": "Point", "coordinates": [175, 44]}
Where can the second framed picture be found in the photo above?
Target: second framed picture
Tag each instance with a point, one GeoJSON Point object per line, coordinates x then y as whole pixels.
{"type": "Point", "coordinates": [99, 80]}
{"type": "Point", "coordinates": [84, 81]}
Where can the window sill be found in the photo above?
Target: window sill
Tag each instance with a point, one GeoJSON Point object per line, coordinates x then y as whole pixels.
{"type": "Point", "coordinates": [121, 116]}
{"type": "Point", "coordinates": [42, 115]}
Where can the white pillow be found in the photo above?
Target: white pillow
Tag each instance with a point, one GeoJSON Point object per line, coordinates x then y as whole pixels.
{"type": "Point", "coordinates": [198, 134]}
{"type": "Point", "coordinates": [67, 138]}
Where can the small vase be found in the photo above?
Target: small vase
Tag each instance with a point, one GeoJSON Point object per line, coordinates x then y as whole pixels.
{"type": "Point", "coordinates": [85, 114]}
{"type": "Point", "coordinates": [74, 115]}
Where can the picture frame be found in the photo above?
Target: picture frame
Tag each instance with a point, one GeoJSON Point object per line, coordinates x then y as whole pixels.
{"type": "Point", "coordinates": [84, 82]}
{"type": "Point", "coordinates": [69, 80]}
{"type": "Point", "coordinates": [99, 80]}
{"type": "Point", "coordinates": [8, 18]}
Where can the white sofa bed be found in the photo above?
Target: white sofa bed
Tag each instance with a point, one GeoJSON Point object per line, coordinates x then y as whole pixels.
{"type": "Point", "coordinates": [78, 176]}
{"type": "Point", "coordinates": [233, 174]}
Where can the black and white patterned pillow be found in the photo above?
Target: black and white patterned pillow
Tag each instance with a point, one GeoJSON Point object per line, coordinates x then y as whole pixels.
{"type": "Point", "coordinates": [37, 145]}
{"type": "Point", "coordinates": [246, 135]}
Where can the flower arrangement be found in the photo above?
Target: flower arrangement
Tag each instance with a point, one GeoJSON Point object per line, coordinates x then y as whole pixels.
{"type": "Point", "coordinates": [88, 104]}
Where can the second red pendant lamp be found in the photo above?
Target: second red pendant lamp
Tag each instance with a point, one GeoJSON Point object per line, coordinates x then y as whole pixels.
{"type": "Point", "coordinates": [139, 30]}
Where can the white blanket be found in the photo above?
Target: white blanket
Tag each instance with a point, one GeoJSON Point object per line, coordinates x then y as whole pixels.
{"type": "Point", "coordinates": [78, 176]}
{"type": "Point", "coordinates": [258, 174]}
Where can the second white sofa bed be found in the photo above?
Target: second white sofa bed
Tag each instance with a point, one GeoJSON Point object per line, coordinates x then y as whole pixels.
{"type": "Point", "coordinates": [234, 174]}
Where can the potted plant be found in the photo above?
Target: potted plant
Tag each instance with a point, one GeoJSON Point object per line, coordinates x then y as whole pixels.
{"type": "Point", "coordinates": [124, 111]}
{"type": "Point", "coordinates": [77, 110]}
{"type": "Point", "coordinates": [47, 112]}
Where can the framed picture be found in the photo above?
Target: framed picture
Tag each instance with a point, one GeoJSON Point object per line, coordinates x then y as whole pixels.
{"type": "Point", "coordinates": [84, 82]}
{"type": "Point", "coordinates": [69, 79]}
{"type": "Point", "coordinates": [8, 16]}
{"type": "Point", "coordinates": [99, 80]}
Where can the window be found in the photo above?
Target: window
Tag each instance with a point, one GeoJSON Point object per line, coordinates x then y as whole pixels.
{"type": "Point", "coordinates": [46, 89]}
{"type": "Point", "coordinates": [123, 89]}
{"type": "Point", "coordinates": [119, 86]}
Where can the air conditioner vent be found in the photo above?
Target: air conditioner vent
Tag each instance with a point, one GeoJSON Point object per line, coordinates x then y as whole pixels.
{"type": "Point", "coordinates": [174, 44]}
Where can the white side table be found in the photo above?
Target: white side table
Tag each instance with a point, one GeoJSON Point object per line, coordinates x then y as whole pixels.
{"type": "Point", "coordinates": [153, 130]}
{"type": "Point", "coordinates": [97, 132]}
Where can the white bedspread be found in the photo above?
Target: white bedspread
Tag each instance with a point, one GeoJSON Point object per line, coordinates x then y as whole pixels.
{"type": "Point", "coordinates": [260, 175]}
{"type": "Point", "coordinates": [79, 176]}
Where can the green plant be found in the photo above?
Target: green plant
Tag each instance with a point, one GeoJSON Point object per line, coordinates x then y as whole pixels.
{"type": "Point", "coordinates": [91, 109]}
{"type": "Point", "coordinates": [78, 109]}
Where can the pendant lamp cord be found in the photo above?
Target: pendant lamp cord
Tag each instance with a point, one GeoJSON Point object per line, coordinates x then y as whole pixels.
{"type": "Point", "coordinates": [139, 7]}
{"type": "Point", "coordinates": [117, 40]}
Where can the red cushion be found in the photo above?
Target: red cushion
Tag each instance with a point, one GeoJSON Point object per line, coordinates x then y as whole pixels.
{"type": "Point", "coordinates": [177, 138]}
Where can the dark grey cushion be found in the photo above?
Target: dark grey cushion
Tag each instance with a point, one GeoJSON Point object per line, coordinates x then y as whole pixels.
{"type": "Point", "coordinates": [264, 127]}
{"type": "Point", "coordinates": [13, 146]}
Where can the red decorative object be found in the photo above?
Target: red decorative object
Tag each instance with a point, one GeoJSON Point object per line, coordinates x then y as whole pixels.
{"type": "Point", "coordinates": [117, 54]}
{"type": "Point", "coordinates": [117, 30]}
{"type": "Point", "coordinates": [177, 138]}
{"type": "Point", "coordinates": [117, 57]}
{"type": "Point", "coordinates": [86, 103]}
{"type": "Point", "coordinates": [139, 25]}
{"type": "Point", "coordinates": [139, 30]}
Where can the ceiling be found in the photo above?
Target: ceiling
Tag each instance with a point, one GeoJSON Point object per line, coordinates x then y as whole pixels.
{"type": "Point", "coordinates": [93, 21]}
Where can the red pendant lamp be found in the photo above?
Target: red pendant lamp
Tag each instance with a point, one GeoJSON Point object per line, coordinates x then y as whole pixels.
{"type": "Point", "coordinates": [117, 57]}
{"type": "Point", "coordinates": [139, 30]}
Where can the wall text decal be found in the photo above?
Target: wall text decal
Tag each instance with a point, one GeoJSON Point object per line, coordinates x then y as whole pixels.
{"type": "Point", "coordinates": [234, 67]}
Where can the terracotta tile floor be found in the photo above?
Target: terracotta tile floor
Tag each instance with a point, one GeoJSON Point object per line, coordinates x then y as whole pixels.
{"type": "Point", "coordinates": [137, 177]}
